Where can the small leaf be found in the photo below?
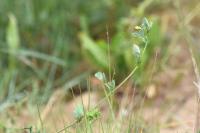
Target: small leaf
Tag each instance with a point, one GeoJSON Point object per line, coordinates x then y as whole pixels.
{"type": "Point", "coordinates": [146, 24]}
{"type": "Point", "coordinates": [93, 114]}
{"type": "Point", "coordinates": [137, 52]}
{"type": "Point", "coordinates": [79, 112]}
{"type": "Point", "coordinates": [139, 34]}
{"type": "Point", "coordinates": [110, 85]}
{"type": "Point", "coordinates": [143, 30]}
{"type": "Point", "coordinates": [101, 76]}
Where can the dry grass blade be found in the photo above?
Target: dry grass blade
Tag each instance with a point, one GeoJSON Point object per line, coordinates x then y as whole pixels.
{"type": "Point", "coordinates": [197, 84]}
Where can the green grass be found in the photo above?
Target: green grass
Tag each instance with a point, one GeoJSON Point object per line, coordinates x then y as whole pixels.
{"type": "Point", "coordinates": [47, 45]}
{"type": "Point", "coordinates": [87, 116]}
{"type": "Point", "coordinates": [40, 44]}
{"type": "Point", "coordinates": [40, 49]}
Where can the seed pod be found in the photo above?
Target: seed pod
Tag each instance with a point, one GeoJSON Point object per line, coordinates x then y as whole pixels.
{"type": "Point", "coordinates": [136, 52]}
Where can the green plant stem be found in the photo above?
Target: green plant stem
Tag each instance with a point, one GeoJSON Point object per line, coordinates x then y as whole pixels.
{"type": "Point", "coordinates": [145, 47]}
{"type": "Point", "coordinates": [109, 94]}
{"type": "Point", "coordinates": [110, 103]}
{"type": "Point", "coordinates": [40, 119]}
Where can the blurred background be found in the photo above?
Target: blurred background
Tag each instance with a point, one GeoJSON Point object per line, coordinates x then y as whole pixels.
{"type": "Point", "coordinates": [50, 47]}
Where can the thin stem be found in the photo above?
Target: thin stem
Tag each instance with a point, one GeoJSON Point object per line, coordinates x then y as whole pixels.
{"type": "Point", "coordinates": [67, 127]}
{"type": "Point", "coordinates": [109, 94]}
{"type": "Point", "coordinates": [40, 118]}
{"type": "Point", "coordinates": [109, 58]}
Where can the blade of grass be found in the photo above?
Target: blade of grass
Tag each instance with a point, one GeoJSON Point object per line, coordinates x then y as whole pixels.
{"type": "Point", "coordinates": [38, 55]}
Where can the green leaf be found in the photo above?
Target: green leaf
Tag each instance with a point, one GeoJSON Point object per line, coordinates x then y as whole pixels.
{"type": "Point", "coordinates": [12, 35]}
{"type": "Point", "coordinates": [79, 112]}
{"type": "Point", "coordinates": [146, 24]}
{"type": "Point", "coordinates": [101, 76]}
{"type": "Point", "coordinates": [143, 30]}
{"type": "Point", "coordinates": [94, 52]}
{"type": "Point", "coordinates": [110, 85]}
{"type": "Point", "coordinates": [12, 38]}
{"type": "Point", "coordinates": [93, 114]}
{"type": "Point", "coordinates": [137, 53]}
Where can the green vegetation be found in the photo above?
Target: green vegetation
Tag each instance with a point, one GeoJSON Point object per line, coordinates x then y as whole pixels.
{"type": "Point", "coordinates": [47, 46]}
{"type": "Point", "coordinates": [40, 40]}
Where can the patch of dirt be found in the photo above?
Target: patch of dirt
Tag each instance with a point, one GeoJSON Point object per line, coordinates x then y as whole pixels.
{"type": "Point", "coordinates": [175, 107]}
